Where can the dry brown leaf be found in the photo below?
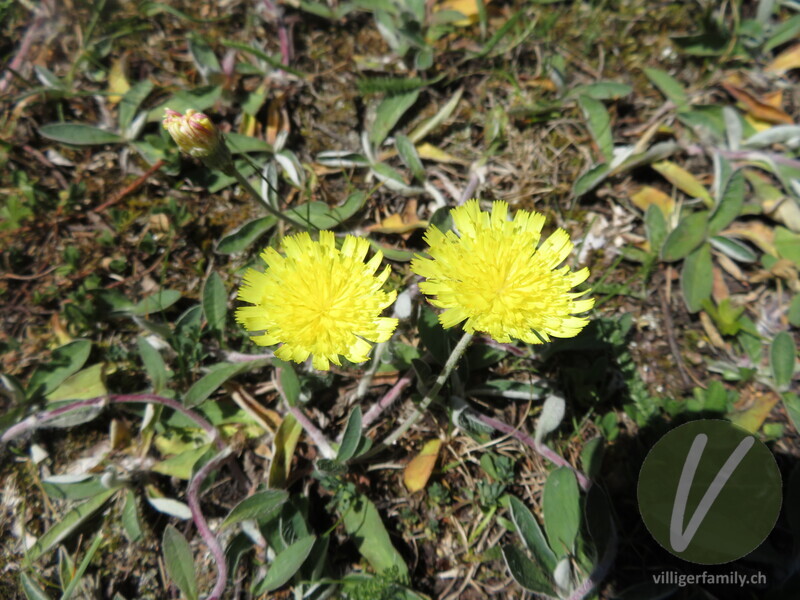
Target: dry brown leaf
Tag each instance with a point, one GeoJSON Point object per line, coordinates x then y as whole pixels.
{"type": "Point", "coordinates": [719, 289]}
{"type": "Point", "coordinates": [277, 119]}
{"type": "Point", "coordinates": [730, 267]}
{"type": "Point", "coordinates": [419, 470]}
{"type": "Point", "coordinates": [785, 61]}
{"type": "Point", "coordinates": [756, 106]}
{"type": "Point", "coordinates": [711, 331]}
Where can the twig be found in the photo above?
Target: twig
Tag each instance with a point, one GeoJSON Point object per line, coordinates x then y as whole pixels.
{"type": "Point", "coordinates": [313, 432]}
{"type": "Point", "coordinates": [131, 188]}
{"type": "Point", "coordinates": [192, 499]}
{"type": "Point", "coordinates": [452, 361]}
{"type": "Point", "coordinates": [25, 46]}
{"type": "Point", "coordinates": [38, 419]}
{"type": "Point", "coordinates": [192, 493]}
{"type": "Point", "coordinates": [538, 447]}
{"type": "Point", "coordinates": [393, 394]}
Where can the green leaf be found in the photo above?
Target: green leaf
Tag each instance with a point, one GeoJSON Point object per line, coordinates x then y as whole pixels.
{"type": "Point", "coordinates": [85, 384]}
{"type": "Point", "coordinates": [69, 523]}
{"type": "Point", "coordinates": [78, 574]}
{"type": "Point", "coordinates": [79, 134]}
{"type": "Point", "coordinates": [289, 382]}
{"type": "Point", "coordinates": [785, 32]}
{"type": "Point", "coordinates": [73, 487]}
{"type": "Point", "coordinates": [259, 506]}
{"type": "Point", "coordinates": [153, 364]}
{"type": "Point", "coordinates": [794, 311]}
{"type": "Point", "coordinates": [241, 238]}
{"type": "Point", "coordinates": [782, 358]}
{"type": "Point", "coordinates": [31, 589]}
{"type": "Point", "coordinates": [217, 375]}
{"type": "Point", "coordinates": [320, 216]}
{"type": "Point", "coordinates": [733, 248]}
{"type": "Point", "coordinates": [601, 90]}
{"type": "Point", "coordinates": [157, 302]}
{"type": "Point", "coordinates": [697, 278]}
{"type": "Point", "coordinates": [179, 562]}
{"type": "Point", "coordinates": [198, 99]}
{"type": "Point", "coordinates": [561, 510]}
{"type": "Point", "coordinates": [392, 85]}
{"type": "Point", "coordinates": [203, 56]}
{"type": "Point", "coordinates": [669, 86]}
{"type": "Point", "coordinates": [599, 125]}
{"type": "Point", "coordinates": [791, 403]}
{"type": "Point", "coordinates": [389, 112]}
{"type": "Point", "coordinates": [787, 243]}
{"type": "Point", "coordinates": [215, 300]}
{"type": "Point", "coordinates": [64, 361]}
{"type": "Point", "coordinates": [351, 437]}
{"type": "Point", "coordinates": [130, 518]}
{"type": "Point", "coordinates": [131, 102]}
{"type": "Point", "coordinates": [592, 456]}
{"type": "Point", "coordinates": [408, 153]}
{"type": "Point", "coordinates": [730, 206]}
{"type": "Point", "coordinates": [527, 573]}
{"type": "Point", "coordinates": [440, 117]}
{"type": "Point", "coordinates": [181, 465]}
{"type": "Point", "coordinates": [363, 523]}
{"type": "Point", "coordinates": [285, 565]}
{"type": "Point", "coordinates": [686, 237]}
{"type": "Point", "coordinates": [590, 179]}
{"type": "Point", "coordinates": [531, 534]}
{"type": "Point", "coordinates": [655, 226]}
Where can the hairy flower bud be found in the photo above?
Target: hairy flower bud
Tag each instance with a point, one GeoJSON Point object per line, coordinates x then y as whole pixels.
{"type": "Point", "coordinates": [198, 137]}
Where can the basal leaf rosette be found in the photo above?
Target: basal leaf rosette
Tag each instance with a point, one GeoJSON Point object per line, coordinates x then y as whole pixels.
{"type": "Point", "coordinates": [318, 300]}
{"type": "Point", "coordinates": [494, 276]}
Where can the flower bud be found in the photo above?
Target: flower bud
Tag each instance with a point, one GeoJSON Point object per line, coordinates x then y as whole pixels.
{"type": "Point", "coordinates": [198, 137]}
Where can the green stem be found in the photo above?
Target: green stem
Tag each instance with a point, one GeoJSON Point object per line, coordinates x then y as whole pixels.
{"type": "Point", "coordinates": [452, 361]}
{"type": "Point", "coordinates": [274, 212]}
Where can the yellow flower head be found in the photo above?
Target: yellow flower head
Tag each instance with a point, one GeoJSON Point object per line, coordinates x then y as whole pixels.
{"type": "Point", "coordinates": [197, 136]}
{"type": "Point", "coordinates": [318, 300]}
{"type": "Point", "coordinates": [493, 275]}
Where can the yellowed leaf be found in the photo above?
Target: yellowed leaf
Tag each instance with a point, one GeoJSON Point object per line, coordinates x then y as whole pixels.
{"type": "Point", "coordinates": [431, 152]}
{"type": "Point", "coordinates": [468, 8]}
{"type": "Point", "coordinates": [754, 407]}
{"type": "Point", "coordinates": [785, 61]}
{"type": "Point", "coordinates": [758, 233]}
{"type": "Point", "coordinates": [396, 224]}
{"type": "Point", "coordinates": [117, 81]}
{"type": "Point", "coordinates": [757, 107]}
{"type": "Point", "coordinates": [758, 124]}
{"type": "Point", "coordinates": [683, 180]}
{"type": "Point", "coordinates": [647, 196]}
{"type": "Point", "coordinates": [774, 98]}
{"type": "Point", "coordinates": [419, 470]}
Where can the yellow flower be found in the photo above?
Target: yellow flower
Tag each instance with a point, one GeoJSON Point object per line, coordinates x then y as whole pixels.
{"type": "Point", "coordinates": [493, 275]}
{"type": "Point", "coordinates": [318, 300]}
{"type": "Point", "coordinates": [197, 136]}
